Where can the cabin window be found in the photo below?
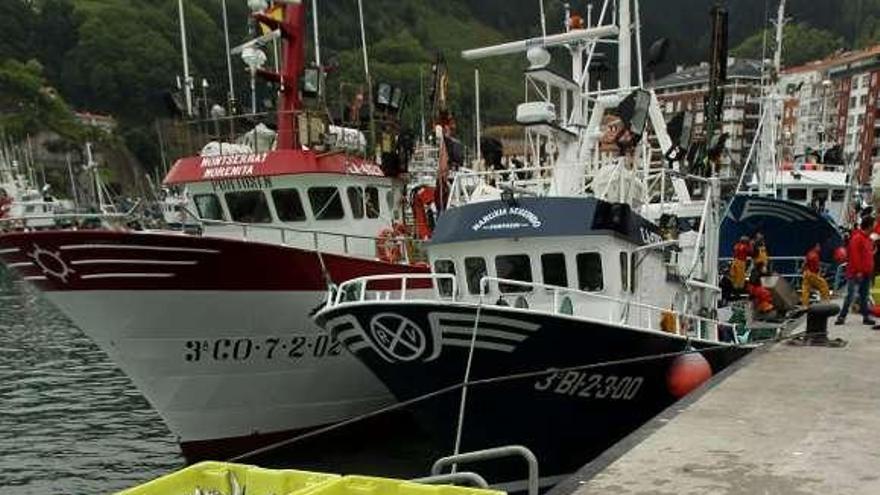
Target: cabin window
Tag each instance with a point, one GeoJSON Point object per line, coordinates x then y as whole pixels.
{"type": "Point", "coordinates": [248, 207]}
{"type": "Point", "coordinates": [797, 194]}
{"type": "Point", "coordinates": [475, 270]}
{"type": "Point", "coordinates": [288, 205]}
{"type": "Point", "coordinates": [624, 271]}
{"type": "Point", "coordinates": [389, 197]}
{"type": "Point", "coordinates": [553, 269]}
{"type": "Point", "coordinates": [837, 195]}
{"type": "Point", "coordinates": [208, 206]}
{"type": "Point", "coordinates": [444, 285]}
{"type": "Point", "coordinates": [820, 195]}
{"type": "Point", "coordinates": [589, 267]}
{"type": "Point", "coordinates": [372, 202]}
{"type": "Point", "coordinates": [326, 203]}
{"type": "Point", "coordinates": [356, 200]}
{"type": "Point", "coordinates": [514, 267]}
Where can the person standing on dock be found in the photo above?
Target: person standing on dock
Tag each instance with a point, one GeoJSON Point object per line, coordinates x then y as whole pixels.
{"type": "Point", "coordinates": [859, 271]}
{"type": "Point", "coordinates": [813, 279]}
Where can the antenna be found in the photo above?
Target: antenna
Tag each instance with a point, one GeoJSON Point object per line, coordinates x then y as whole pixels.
{"type": "Point", "coordinates": [187, 81]}
{"type": "Point", "coordinates": [372, 106]}
{"type": "Point", "coordinates": [228, 60]}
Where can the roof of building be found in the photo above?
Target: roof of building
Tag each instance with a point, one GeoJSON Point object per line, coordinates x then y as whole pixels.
{"type": "Point", "coordinates": [740, 68]}
{"type": "Point", "coordinates": [835, 59]}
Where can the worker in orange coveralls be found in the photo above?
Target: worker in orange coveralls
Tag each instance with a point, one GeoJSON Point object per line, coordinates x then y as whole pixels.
{"type": "Point", "coordinates": [762, 298]}
{"type": "Point", "coordinates": [813, 279]}
{"type": "Point", "coordinates": [760, 255]}
{"type": "Point", "coordinates": [741, 252]}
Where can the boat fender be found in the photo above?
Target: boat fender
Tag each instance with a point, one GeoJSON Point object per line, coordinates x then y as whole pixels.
{"type": "Point", "coordinates": [686, 373]}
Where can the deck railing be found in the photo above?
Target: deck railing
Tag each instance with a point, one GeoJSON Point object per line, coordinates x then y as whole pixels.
{"type": "Point", "coordinates": [399, 287]}
{"type": "Point", "coordinates": [409, 249]}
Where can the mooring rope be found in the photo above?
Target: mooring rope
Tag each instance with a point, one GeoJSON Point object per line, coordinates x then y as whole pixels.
{"type": "Point", "coordinates": [476, 383]}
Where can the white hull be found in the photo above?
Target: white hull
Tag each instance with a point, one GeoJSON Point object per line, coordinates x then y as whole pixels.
{"type": "Point", "coordinates": [262, 365]}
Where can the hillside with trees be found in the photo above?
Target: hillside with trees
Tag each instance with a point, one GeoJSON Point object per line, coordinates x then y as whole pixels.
{"type": "Point", "coordinates": [122, 58]}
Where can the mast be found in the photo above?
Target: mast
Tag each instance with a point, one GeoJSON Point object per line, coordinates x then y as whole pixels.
{"type": "Point", "coordinates": [187, 88]}
{"type": "Point", "coordinates": [372, 106]}
{"type": "Point", "coordinates": [624, 41]}
{"type": "Point", "coordinates": [293, 31]}
{"type": "Point", "coordinates": [780, 24]}
{"type": "Point", "coordinates": [228, 60]}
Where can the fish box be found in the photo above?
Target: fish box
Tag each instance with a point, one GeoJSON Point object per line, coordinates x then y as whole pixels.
{"type": "Point", "coordinates": [364, 485]}
{"type": "Point", "coordinates": [233, 479]}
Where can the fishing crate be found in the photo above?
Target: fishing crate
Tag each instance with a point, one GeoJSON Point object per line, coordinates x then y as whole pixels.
{"type": "Point", "coordinates": [365, 485]}
{"type": "Point", "coordinates": [233, 479]}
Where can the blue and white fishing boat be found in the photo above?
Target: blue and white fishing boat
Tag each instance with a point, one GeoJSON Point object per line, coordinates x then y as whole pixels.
{"type": "Point", "coordinates": [794, 208]}
{"type": "Point", "coordinates": [550, 285]}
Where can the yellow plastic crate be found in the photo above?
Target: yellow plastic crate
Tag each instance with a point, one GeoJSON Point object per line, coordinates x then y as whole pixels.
{"type": "Point", "coordinates": [221, 477]}
{"type": "Point", "coordinates": [364, 485]}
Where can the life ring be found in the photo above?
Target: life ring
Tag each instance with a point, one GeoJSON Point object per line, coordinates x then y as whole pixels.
{"type": "Point", "coordinates": [387, 246]}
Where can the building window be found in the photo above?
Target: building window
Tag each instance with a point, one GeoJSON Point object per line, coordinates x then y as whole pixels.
{"type": "Point", "coordinates": [514, 267]}
{"type": "Point", "coordinates": [288, 205]}
{"type": "Point", "coordinates": [553, 269]}
{"type": "Point", "coordinates": [624, 271]}
{"type": "Point", "coordinates": [852, 102]}
{"type": "Point", "coordinates": [248, 207]}
{"type": "Point", "coordinates": [356, 201]}
{"type": "Point", "coordinates": [326, 203]}
{"type": "Point", "coordinates": [208, 206]}
{"type": "Point", "coordinates": [589, 268]}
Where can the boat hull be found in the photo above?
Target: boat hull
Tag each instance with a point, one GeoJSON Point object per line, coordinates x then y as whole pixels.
{"type": "Point", "coordinates": [565, 417]}
{"type": "Point", "coordinates": [215, 333]}
{"type": "Point", "coordinates": [790, 229]}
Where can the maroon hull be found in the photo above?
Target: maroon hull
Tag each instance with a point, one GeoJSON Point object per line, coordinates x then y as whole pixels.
{"type": "Point", "coordinates": [106, 260]}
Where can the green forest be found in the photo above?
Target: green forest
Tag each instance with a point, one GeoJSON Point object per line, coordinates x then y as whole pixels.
{"type": "Point", "coordinates": [121, 57]}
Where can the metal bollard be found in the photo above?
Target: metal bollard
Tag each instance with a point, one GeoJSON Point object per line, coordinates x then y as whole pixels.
{"type": "Point", "coordinates": [817, 322]}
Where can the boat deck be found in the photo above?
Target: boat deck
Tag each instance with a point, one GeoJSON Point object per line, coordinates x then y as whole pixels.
{"type": "Point", "coordinates": [789, 420]}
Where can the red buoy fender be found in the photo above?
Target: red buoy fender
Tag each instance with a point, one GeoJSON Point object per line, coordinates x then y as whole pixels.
{"type": "Point", "coordinates": [686, 373]}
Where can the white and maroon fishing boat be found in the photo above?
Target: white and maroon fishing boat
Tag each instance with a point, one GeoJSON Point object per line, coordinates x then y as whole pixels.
{"type": "Point", "coordinates": [214, 329]}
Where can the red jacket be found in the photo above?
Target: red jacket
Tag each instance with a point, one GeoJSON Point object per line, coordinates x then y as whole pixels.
{"type": "Point", "coordinates": [861, 255]}
{"type": "Point", "coordinates": [812, 261]}
{"type": "Point", "coordinates": [742, 251]}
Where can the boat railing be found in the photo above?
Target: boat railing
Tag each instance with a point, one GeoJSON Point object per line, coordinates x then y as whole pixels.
{"type": "Point", "coordinates": [405, 249]}
{"type": "Point", "coordinates": [398, 287]}
{"type": "Point", "coordinates": [392, 287]}
{"type": "Point", "coordinates": [313, 130]}
{"type": "Point", "coordinates": [531, 180]}
{"type": "Point", "coordinates": [69, 220]}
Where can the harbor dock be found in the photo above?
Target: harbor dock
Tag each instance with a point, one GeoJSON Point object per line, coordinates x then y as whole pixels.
{"type": "Point", "coordinates": [790, 420]}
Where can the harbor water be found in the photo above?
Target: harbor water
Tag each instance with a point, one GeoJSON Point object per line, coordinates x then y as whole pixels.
{"type": "Point", "coordinates": [70, 421]}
